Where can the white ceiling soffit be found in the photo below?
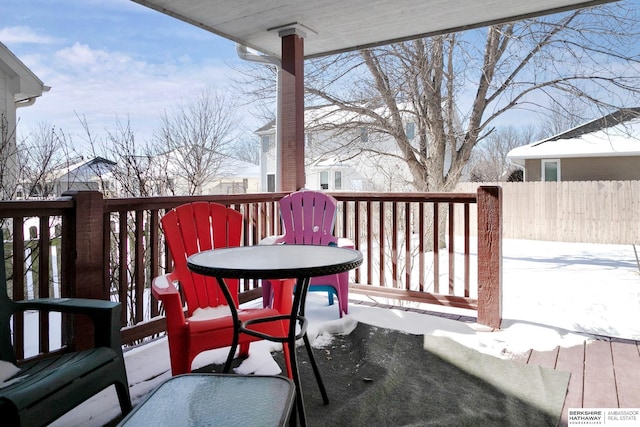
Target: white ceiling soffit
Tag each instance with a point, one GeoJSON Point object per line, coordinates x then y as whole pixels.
{"type": "Point", "coordinates": [334, 26]}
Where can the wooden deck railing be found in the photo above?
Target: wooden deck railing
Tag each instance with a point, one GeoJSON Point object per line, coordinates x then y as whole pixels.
{"type": "Point", "coordinates": [414, 249]}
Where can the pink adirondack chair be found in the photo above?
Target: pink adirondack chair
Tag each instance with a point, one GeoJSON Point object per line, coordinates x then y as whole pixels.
{"type": "Point", "coordinates": [308, 218]}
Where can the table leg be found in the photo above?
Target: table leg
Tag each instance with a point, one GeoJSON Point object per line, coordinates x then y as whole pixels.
{"type": "Point", "coordinates": [236, 324]}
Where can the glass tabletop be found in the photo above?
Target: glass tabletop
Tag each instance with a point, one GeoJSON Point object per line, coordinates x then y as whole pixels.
{"type": "Point", "coordinates": [216, 400]}
{"type": "Point", "coordinates": [274, 261]}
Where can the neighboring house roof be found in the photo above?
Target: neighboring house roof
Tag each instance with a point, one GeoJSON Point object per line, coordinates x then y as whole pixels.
{"type": "Point", "coordinates": [267, 127]}
{"type": "Point", "coordinates": [613, 135]}
{"type": "Point", "coordinates": [84, 170]}
{"type": "Point", "coordinates": [25, 84]}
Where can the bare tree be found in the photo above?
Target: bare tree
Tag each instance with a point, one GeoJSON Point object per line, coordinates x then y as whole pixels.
{"type": "Point", "coordinates": [137, 172]}
{"type": "Point", "coordinates": [564, 113]}
{"type": "Point", "coordinates": [489, 160]}
{"type": "Point", "coordinates": [247, 149]}
{"type": "Point", "coordinates": [455, 88]}
{"type": "Point", "coordinates": [196, 137]}
{"type": "Point", "coordinates": [43, 155]}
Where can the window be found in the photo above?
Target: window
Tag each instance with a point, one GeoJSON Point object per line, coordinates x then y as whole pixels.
{"type": "Point", "coordinates": [271, 183]}
{"type": "Point", "coordinates": [410, 130]}
{"type": "Point", "coordinates": [324, 180]}
{"type": "Point", "coordinates": [551, 170]}
{"type": "Point", "coordinates": [266, 142]}
{"type": "Point", "coordinates": [337, 180]}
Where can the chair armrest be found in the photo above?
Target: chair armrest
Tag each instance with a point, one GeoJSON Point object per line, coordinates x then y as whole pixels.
{"type": "Point", "coordinates": [163, 289]}
{"type": "Point", "coordinates": [104, 314]}
{"type": "Point", "coordinates": [271, 240]}
{"type": "Point", "coordinates": [343, 242]}
{"type": "Point", "coordinates": [162, 286]}
{"type": "Point", "coordinates": [68, 305]}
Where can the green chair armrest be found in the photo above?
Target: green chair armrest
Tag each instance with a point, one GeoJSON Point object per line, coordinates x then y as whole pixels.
{"type": "Point", "coordinates": [104, 314]}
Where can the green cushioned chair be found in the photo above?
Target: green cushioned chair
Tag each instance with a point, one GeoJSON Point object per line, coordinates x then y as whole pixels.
{"type": "Point", "coordinates": [47, 388]}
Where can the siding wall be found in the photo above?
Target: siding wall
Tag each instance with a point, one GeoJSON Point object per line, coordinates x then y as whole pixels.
{"type": "Point", "coordinates": [590, 168]}
{"type": "Point", "coordinates": [578, 211]}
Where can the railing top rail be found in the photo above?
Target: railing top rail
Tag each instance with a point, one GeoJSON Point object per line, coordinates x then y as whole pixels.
{"type": "Point", "coordinates": [408, 197]}
{"type": "Point", "coordinates": [164, 202]}
{"type": "Point", "coordinates": [27, 208]}
{"type": "Point", "coordinates": [128, 204]}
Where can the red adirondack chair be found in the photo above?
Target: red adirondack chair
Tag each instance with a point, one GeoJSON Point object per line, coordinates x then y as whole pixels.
{"type": "Point", "coordinates": [308, 218]}
{"type": "Point", "coordinates": [188, 229]}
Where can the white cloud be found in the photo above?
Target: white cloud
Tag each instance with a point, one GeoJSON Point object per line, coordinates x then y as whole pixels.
{"type": "Point", "coordinates": [23, 34]}
{"type": "Point", "coordinates": [82, 55]}
{"type": "Point", "coordinates": [105, 85]}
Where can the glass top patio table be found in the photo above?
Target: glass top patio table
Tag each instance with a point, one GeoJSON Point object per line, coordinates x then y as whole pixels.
{"type": "Point", "coordinates": [216, 400]}
{"type": "Point", "coordinates": [278, 262]}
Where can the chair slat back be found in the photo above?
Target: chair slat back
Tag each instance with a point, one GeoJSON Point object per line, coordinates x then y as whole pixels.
{"type": "Point", "coordinates": [308, 218]}
{"type": "Point", "coordinates": [195, 227]}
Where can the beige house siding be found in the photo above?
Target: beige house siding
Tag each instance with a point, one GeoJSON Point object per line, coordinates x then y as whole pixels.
{"type": "Point", "coordinates": [590, 169]}
{"type": "Point", "coordinates": [532, 170]}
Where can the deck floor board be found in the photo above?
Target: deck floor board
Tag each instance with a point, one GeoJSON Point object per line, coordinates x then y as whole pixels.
{"type": "Point", "coordinates": [604, 374]}
{"type": "Point", "coordinates": [571, 359]}
{"type": "Point", "coordinates": [626, 363]}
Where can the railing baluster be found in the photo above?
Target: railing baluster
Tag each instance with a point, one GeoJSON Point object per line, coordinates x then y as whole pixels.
{"type": "Point", "coordinates": [394, 244]}
{"type": "Point", "coordinates": [467, 250]}
{"type": "Point", "coordinates": [154, 245]}
{"type": "Point", "coordinates": [43, 279]}
{"type": "Point", "coordinates": [421, 244]}
{"type": "Point", "coordinates": [369, 243]}
{"type": "Point", "coordinates": [452, 254]}
{"type": "Point", "coordinates": [18, 283]}
{"type": "Point", "coordinates": [436, 248]}
{"type": "Point", "coordinates": [356, 235]}
{"type": "Point", "coordinates": [407, 238]}
{"type": "Point", "coordinates": [382, 245]}
{"type": "Point", "coordinates": [107, 231]}
{"type": "Point", "coordinates": [138, 270]}
{"type": "Point", "coordinates": [123, 279]}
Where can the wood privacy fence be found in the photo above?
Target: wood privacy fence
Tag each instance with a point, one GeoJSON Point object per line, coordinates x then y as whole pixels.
{"type": "Point", "coordinates": [573, 211]}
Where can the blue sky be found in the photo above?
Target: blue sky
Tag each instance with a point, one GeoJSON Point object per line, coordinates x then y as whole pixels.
{"type": "Point", "coordinates": [108, 59]}
{"type": "Point", "coordinates": [115, 59]}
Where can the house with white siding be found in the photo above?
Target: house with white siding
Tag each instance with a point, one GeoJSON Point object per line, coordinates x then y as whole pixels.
{"type": "Point", "coordinates": [19, 87]}
{"type": "Point", "coordinates": [339, 158]}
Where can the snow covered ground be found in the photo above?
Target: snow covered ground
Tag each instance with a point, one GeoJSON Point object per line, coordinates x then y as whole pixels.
{"type": "Point", "coordinates": [576, 286]}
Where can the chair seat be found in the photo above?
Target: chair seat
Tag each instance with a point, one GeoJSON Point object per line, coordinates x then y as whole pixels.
{"type": "Point", "coordinates": [221, 323]}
